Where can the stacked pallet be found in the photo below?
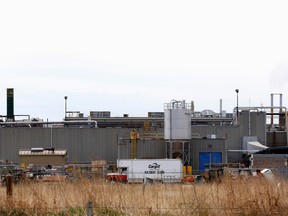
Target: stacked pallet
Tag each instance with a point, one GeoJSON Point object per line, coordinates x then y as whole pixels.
{"type": "Point", "coordinates": [98, 165]}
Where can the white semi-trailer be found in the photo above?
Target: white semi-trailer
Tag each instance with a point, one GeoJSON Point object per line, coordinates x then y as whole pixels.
{"type": "Point", "coordinates": [145, 170]}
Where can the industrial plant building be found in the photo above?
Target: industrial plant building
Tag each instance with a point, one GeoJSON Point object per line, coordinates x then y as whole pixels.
{"type": "Point", "coordinates": [197, 137]}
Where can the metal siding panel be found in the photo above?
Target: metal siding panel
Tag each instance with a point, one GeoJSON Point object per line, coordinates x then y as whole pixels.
{"type": "Point", "coordinates": [83, 145]}
{"type": "Point", "coordinates": [231, 132]}
{"type": "Point", "coordinates": [261, 127]}
{"type": "Point", "coordinates": [151, 149]}
{"type": "Point", "coordinates": [91, 144]}
{"type": "Point", "coordinates": [202, 145]}
{"type": "Point", "coordinates": [86, 144]}
{"type": "Point", "coordinates": [244, 122]}
{"type": "Point", "coordinates": [145, 149]}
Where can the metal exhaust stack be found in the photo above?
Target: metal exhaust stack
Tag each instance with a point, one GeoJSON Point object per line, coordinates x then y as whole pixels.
{"type": "Point", "coordinates": [272, 109]}
{"type": "Point", "coordinates": [221, 108]}
{"type": "Point", "coordinates": [10, 105]}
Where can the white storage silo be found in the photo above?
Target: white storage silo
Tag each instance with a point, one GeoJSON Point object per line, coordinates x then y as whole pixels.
{"type": "Point", "coordinates": [177, 121]}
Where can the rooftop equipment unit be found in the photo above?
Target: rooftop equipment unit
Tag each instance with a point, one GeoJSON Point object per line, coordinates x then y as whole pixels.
{"type": "Point", "coordinates": [100, 114]}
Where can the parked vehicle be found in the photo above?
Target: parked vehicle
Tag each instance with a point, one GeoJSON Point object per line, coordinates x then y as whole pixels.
{"type": "Point", "coordinates": [117, 177]}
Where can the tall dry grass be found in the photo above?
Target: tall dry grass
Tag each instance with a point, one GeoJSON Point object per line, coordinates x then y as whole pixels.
{"type": "Point", "coordinates": [230, 197]}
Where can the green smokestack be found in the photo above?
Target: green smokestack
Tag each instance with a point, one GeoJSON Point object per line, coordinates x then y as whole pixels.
{"type": "Point", "coordinates": [10, 104]}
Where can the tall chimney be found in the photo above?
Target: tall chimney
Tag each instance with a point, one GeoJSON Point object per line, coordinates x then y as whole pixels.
{"type": "Point", "coordinates": [10, 104]}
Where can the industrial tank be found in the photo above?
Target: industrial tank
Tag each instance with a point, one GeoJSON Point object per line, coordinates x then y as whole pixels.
{"type": "Point", "coordinates": [177, 120]}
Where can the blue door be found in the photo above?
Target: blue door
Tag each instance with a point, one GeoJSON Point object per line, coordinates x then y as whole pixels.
{"type": "Point", "coordinates": [209, 157]}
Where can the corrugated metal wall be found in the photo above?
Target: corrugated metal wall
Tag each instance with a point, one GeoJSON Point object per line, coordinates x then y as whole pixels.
{"type": "Point", "coordinates": [83, 144]}
{"type": "Point", "coordinates": [276, 138]}
{"type": "Point", "coordinates": [86, 144]}
{"type": "Point", "coordinates": [253, 124]}
{"type": "Point", "coordinates": [146, 149]}
{"type": "Point", "coordinates": [207, 145]}
{"type": "Point", "coordinates": [231, 133]}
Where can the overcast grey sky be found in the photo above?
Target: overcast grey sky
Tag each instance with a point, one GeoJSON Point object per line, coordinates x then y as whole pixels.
{"type": "Point", "coordinates": [134, 56]}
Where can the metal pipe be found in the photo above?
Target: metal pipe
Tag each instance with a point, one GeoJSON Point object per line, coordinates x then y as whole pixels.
{"type": "Point", "coordinates": [51, 144]}
{"type": "Point", "coordinates": [258, 109]}
{"type": "Point", "coordinates": [65, 97]}
{"type": "Point", "coordinates": [192, 107]}
{"type": "Point", "coordinates": [220, 107]}
{"type": "Point", "coordinates": [249, 124]}
{"type": "Point", "coordinates": [272, 109]}
{"type": "Point", "coordinates": [243, 150]}
{"type": "Point", "coordinates": [48, 123]}
{"type": "Point", "coordinates": [280, 102]}
{"type": "Point", "coordinates": [170, 143]}
{"type": "Point", "coordinates": [118, 146]}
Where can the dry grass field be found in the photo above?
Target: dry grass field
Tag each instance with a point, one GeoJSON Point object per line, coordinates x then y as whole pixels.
{"type": "Point", "coordinates": [230, 197]}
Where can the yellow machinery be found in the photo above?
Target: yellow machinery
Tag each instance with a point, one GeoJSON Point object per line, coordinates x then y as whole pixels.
{"type": "Point", "coordinates": [184, 170]}
{"type": "Point", "coordinates": [133, 139]}
{"type": "Point", "coordinates": [187, 170]}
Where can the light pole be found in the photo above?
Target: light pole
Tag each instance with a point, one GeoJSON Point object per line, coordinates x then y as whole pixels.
{"type": "Point", "coordinates": [51, 141]}
{"type": "Point", "coordinates": [237, 108]}
{"type": "Point", "coordinates": [65, 97]}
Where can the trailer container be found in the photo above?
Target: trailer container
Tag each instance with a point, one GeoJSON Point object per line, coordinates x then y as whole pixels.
{"type": "Point", "coordinates": [151, 170]}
